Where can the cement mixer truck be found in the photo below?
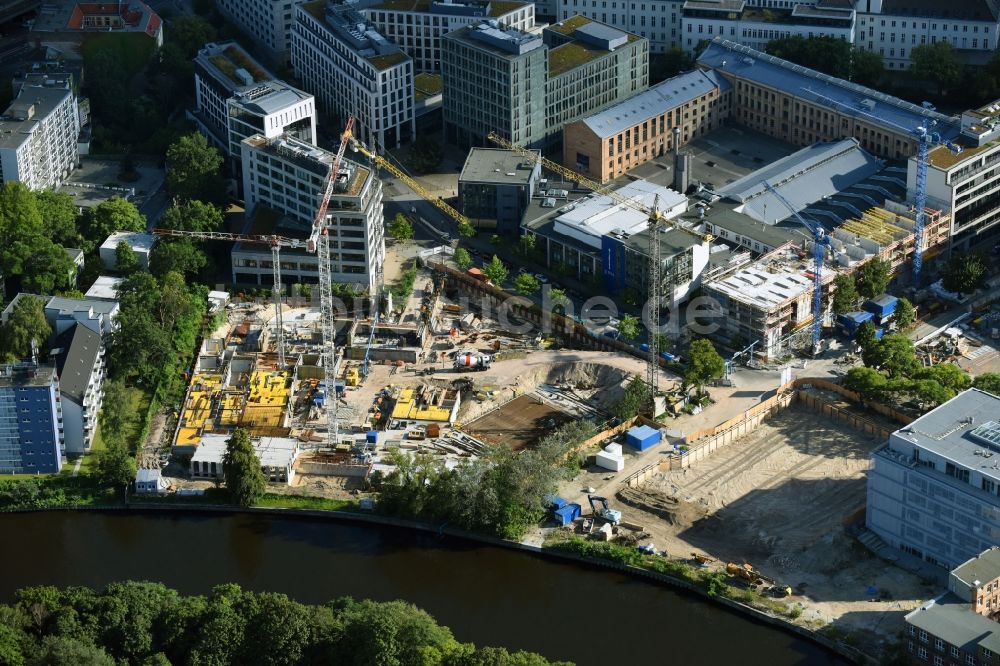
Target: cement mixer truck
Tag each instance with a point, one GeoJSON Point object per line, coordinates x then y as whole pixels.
{"type": "Point", "coordinates": [472, 360]}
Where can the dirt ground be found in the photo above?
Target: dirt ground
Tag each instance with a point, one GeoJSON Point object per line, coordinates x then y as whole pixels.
{"type": "Point", "coordinates": [778, 499]}
{"type": "Point", "coordinates": [520, 423]}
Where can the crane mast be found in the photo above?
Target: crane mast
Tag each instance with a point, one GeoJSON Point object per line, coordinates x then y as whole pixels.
{"type": "Point", "coordinates": [653, 308]}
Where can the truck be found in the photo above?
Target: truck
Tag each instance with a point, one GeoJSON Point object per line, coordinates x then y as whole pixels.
{"type": "Point", "coordinates": [472, 360]}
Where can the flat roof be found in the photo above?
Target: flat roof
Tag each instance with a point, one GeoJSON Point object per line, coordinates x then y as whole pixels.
{"type": "Point", "coordinates": [802, 178]}
{"type": "Point", "coordinates": [26, 374]}
{"type": "Point", "coordinates": [498, 39]}
{"type": "Point", "coordinates": [105, 287]}
{"type": "Point", "coordinates": [62, 304]}
{"type": "Point", "coordinates": [31, 107]}
{"type": "Point", "coordinates": [498, 166]}
{"type": "Point", "coordinates": [891, 113]}
{"type": "Point", "coordinates": [138, 241]}
{"type": "Point", "coordinates": [774, 235]}
{"type": "Point", "coordinates": [225, 59]}
{"type": "Point", "coordinates": [950, 619]}
{"type": "Point", "coordinates": [761, 288]}
{"type": "Point", "coordinates": [653, 102]}
{"type": "Point", "coordinates": [982, 568]}
{"type": "Point", "coordinates": [672, 242]}
{"type": "Point", "coordinates": [272, 451]}
{"type": "Point", "coordinates": [956, 10]}
{"type": "Point", "coordinates": [597, 215]}
{"type": "Point", "coordinates": [948, 431]}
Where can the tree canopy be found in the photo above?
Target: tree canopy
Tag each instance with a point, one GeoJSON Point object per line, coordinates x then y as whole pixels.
{"type": "Point", "coordinates": [463, 259]}
{"type": "Point", "coordinates": [989, 382]}
{"type": "Point", "coordinates": [704, 364]}
{"type": "Point", "coordinates": [59, 216]}
{"type": "Point", "coordinates": [938, 63]}
{"type": "Point", "coordinates": [526, 284]}
{"type": "Point", "coordinates": [496, 271]}
{"type": "Point", "coordinates": [633, 400]}
{"type": "Point", "coordinates": [26, 323]}
{"type": "Point", "coordinates": [107, 217]}
{"type": "Point", "coordinates": [149, 624]}
{"type": "Point", "coordinates": [845, 294]}
{"type": "Point", "coordinates": [194, 170]}
{"type": "Point", "coordinates": [244, 479]}
{"type": "Point", "coordinates": [830, 55]}
{"type": "Point", "coordinates": [629, 327]}
{"type": "Point", "coordinates": [905, 314]}
{"type": "Point", "coordinates": [872, 278]}
{"type": "Point", "coordinates": [192, 215]}
{"type": "Point", "coordinates": [964, 273]}
{"type": "Point", "coordinates": [401, 229]}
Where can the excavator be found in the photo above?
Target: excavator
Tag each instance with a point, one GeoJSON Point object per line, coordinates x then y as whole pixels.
{"type": "Point", "coordinates": [612, 516]}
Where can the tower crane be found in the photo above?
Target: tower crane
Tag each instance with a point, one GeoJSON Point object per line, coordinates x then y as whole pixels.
{"type": "Point", "coordinates": [653, 306]}
{"type": "Point", "coordinates": [318, 243]}
{"type": "Point", "coordinates": [820, 241]}
{"type": "Point", "coordinates": [926, 139]}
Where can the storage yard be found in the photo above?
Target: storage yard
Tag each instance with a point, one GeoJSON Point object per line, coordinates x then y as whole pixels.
{"type": "Point", "coordinates": [520, 423]}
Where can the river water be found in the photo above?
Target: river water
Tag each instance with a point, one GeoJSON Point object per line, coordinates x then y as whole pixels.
{"type": "Point", "coordinates": [487, 595]}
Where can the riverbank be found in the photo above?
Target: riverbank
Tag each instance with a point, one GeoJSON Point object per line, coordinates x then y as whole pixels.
{"type": "Point", "coordinates": [665, 572]}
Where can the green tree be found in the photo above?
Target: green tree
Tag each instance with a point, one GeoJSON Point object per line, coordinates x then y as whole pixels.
{"type": "Point", "coordinates": [938, 63]}
{"type": "Point", "coordinates": [989, 382]}
{"type": "Point", "coordinates": [947, 375]}
{"type": "Point", "coordinates": [194, 170]}
{"type": "Point", "coordinates": [425, 154]}
{"type": "Point", "coordinates": [893, 354]}
{"type": "Point", "coordinates": [905, 314]}
{"type": "Point", "coordinates": [867, 382]}
{"type": "Point", "coordinates": [866, 335]}
{"type": "Point", "coordinates": [177, 255]}
{"type": "Point", "coordinates": [629, 327]}
{"type": "Point", "coordinates": [964, 273]}
{"type": "Point", "coordinates": [61, 650]}
{"type": "Point", "coordinates": [633, 400]}
{"type": "Point", "coordinates": [704, 364]}
{"type": "Point", "coordinates": [59, 214]}
{"type": "Point", "coordinates": [463, 259]}
{"type": "Point", "coordinates": [528, 245]}
{"type": "Point", "coordinates": [845, 294]}
{"type": "Point", "coordinates": [826, 54]}
{"type": "Point", "coordinates": [11, 640]}
{"type": "Point", "coordinates": [930, 393]}
{"type": "Point", "coordinates": [668, 64]}
{"type": "Point", "coordinates": [192, 215]}
{"type": "Point", "coordinates": [20, 227]}
{"type": "Point", "coordinates": [496, 271]}
{"type": "Point", "coordinates": [48, 269]}
{"type": "Point", "coordinates": [526, 284]}
{"type": "Point", "coordinates": [466, 230]}
{"type": "Point", "coordinates": [241, 467]}
{"type": "Point", "coordinates": [867, 68]}
{"type": "Point", "coordinates": [126, 260]}
{"type": "Point", "coordinates": [115, 465]}
{"type": "Point", "coordinates": [115, 416]}
{"type": "Point", "coordinates": [401, 229]}
{"type": "Point", "coordinates": [558, 298]}
{"type": "Point", "coordinates": [107, 217]}
{"type": "Point", "coordinates": [26, 323]}
{"type": "Point", "coordinates": [872, 278]}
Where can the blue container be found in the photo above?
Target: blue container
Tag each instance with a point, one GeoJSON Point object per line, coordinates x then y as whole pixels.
{"type": "Point", "coordinates": [852, 320]}
{"type": "Point", "coordinates": [555, 502]}
{"type": "Point", "coordinates": [667, 356]}
{"type": "Point", "coordinates": [567, 514]}
{"type": "Point", "coordinates": [371, 437]}
{"type": "Point", "coordinates": [879, 332]}
{"type": "Point", "coordinates": [644, 348]}
{"type": "Point", "coordinates": [338, 387]}
{"type": "Point", "coordinates": [642, 437]}
{"type": "Point", "coordinates": [883, 306]}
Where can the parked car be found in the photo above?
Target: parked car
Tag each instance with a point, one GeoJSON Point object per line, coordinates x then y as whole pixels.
{"type": "Point", "coordinates": [541, 278]}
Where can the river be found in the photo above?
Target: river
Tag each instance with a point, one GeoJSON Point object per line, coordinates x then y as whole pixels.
{"type": "Point", "coordinates": [487, 595]}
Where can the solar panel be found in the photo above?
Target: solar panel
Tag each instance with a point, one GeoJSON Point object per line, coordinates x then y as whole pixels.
{"type": "Point", "coordinates": [988, 433]}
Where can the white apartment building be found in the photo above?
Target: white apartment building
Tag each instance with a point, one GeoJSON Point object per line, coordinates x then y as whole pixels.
{"type": "Point", "coordinates": [353, 70]}
{"type": "Point", "coordinates": [741, 22]}
{"type": "Point", "coordinates": [418, 27]}
{"type": "Point", "coordinates": [236, 97]}
{"type": "Point", "coordinates": [892, 28]}
{"type": "Point", "coordinates": [966, 183]}
{"type": "Point", "coordinates": [79, 354]}
{"type": "Point", "coordinates": [268, 21]}
{"type": "Point", "coordinates": [38, 137]}
{"type": "Point", "coordinates": [282, 183]}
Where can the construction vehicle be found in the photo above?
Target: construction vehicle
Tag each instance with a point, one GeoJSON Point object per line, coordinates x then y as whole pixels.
{"type": "Point", "coordinates": [606, 513]}
{"type": "Point", "coordinates": [747, 573]}
{"type": "Point", "coordinates": [472, 360]}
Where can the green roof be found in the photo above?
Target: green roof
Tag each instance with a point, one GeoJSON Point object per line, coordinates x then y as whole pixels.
{"type": "Point", "coordinates": [231, 59]}
{"type": "Point", "coordinates": [570, 56]}
{"type": "Point", "coordinates": [569, 25]}
{"type": "Point", "coordinates": [501, 7]}
{"type": "Point", "coordinates": [426, 85]}
{"type": "Point", "coordinates": [387, 60]}
{"type": "Point", "coordinates": [317, 9]}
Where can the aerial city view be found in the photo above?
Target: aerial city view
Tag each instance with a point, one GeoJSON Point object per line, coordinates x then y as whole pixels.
{"type": "Point", "coordinates": [499, 332]}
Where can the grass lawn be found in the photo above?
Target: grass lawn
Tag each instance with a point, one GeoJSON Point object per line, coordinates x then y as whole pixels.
{"type": "Point", "coordinates": [132, 49]}
{"type": "Point", "coordinates": [276, 501]}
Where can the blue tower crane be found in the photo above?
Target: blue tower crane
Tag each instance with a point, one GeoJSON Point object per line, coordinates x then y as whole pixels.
{"type": "Point", "coordinates": [820, 241]}
{"type": "Point", "coordinates": [925, 139]}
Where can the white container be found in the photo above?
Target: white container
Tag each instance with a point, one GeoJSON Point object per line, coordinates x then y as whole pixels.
{"type": "Point", "coordinates": [610, 462]}
{"type": "Point", "coordinates": [614, 449]}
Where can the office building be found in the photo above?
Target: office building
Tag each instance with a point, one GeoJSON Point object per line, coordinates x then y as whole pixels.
{"type": "Point", "coordinates": [893, 28]}
{"type": "Point", "coordinates": [268, 22]}
{"type": "Point", "coordinates": [753, 25]}
{"type": "Point", "coordinates": [417, 26]}
{"type": "Point", "coordinates": [527, 86]}
{"type": "Point", "coordinates": [658, 21]}
{"type": "Point", "coordinates": [38, 137]}
{"type": "Point", "coordinates": [352, 69]}
{"type": "Point", "coordinates": [601, 242]}
{"type": "Point", "coordinates": [609, 143]}
{"type": "Point", "coordinates": [277, 457]}
{"type": "Point", "coordinates": [964, 177]}
{"type": "Point", "coordinates": [79, 354]}
{"type": "Point", "coordinates": [282, 183]}
{"type": "Point", "coordinates": [30, 413]}
{"type": "Point", "coordinates": [236, 97]}
{"type": "Point", "coordinates": [933, 488]}
{"type": "Point", "coordinates": [67, 17]}
{"type": "Point", "coordinates": [495, 187]}
{"type": "Point", "coordinates": [803, 106]}
{"type": "Point", "coordinates": [977, 583]}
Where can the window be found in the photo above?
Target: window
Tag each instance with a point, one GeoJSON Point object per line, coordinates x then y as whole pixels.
{"type": "Point", "coordinates": [970, 659]}
{"type": "Point", "coordinates": [922, 653]}
{"type": "Point", "coordinates": [939, 645]}
{"type": "Point", "coordinates": [938, 661]}
{"type": "Point", "coordinates": [954, 652]}
{"type": "Point", "coordinates": [923, 636]}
